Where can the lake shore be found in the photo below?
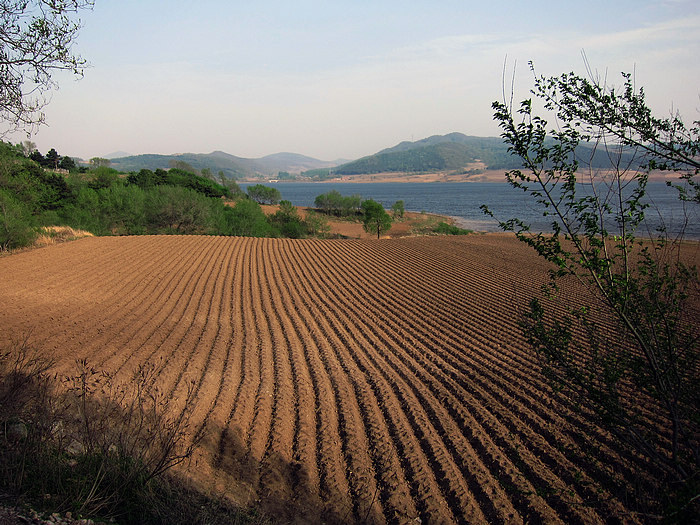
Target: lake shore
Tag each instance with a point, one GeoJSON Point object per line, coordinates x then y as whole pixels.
{"type": "Point", "coordinates": [475, 175]}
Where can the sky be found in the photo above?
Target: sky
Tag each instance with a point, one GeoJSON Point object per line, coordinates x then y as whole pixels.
{"type": "Point", "coordinates": [343, 79]}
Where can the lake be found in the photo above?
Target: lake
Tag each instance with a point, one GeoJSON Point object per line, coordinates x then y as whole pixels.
{"type": "Point", "coordinates": [462, 201]}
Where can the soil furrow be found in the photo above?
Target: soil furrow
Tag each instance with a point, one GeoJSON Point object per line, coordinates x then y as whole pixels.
{"type": "Point", "coordinates": [340, 381]}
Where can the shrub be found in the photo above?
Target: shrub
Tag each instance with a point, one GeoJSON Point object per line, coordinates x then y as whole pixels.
{"type": "Point", "coordinates": [316, 224]}
{"type": "Point", "coordinates": [333, 203]}
{"type": "Point", "coordinates": [288, 222]}
{"type": "Point", "coordinates": [85, 212]}
{"type": "Point", "coordinates": [398, 210]}
{"type": "Point", "coordinates": [103, 177]}
{"type": "Point", "coordinates": [246, 219]}
{"type": "Point", "coordinates": [173, 209]}
{"type": "Point", "coordinates": [178, 177]}
{"type": "Point", "coordinates": [123, 209]}
{"type": "Point", "coordinates": [15, 223]}
{"type": "Point", "coordinates": [444, 228]}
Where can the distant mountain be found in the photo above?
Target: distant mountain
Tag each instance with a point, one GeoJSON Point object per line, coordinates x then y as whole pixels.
{"type": "Point", "coordinates": [454, 152]}
{"type": "Point", "coordinates": [457, 151]}
{"type": "Point", "coordinates": [232, 166]}
{"type": "Point", "coordinates": [437, 153]}
{"type": "Point", "coordinates": [291, 162]}
{"type": "Point", "coordinates": [116, 155]}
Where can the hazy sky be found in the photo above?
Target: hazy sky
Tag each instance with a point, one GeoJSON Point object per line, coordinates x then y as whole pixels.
{"type": "Point", "coordinates": [342, 79]}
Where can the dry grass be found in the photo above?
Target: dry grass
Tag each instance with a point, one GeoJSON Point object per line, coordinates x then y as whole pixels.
{"type": "Point", "coordinates": [56, 234]}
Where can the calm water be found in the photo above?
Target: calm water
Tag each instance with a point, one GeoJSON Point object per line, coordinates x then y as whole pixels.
{"type": "Point", "coordinates": [462, 201]}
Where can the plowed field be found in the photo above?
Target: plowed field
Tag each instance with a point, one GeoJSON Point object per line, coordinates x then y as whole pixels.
{"type": "Point", "coordinates": [341, 381]}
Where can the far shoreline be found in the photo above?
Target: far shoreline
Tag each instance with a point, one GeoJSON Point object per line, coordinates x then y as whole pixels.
{"type": "Point", "coordinates": [498, 176]}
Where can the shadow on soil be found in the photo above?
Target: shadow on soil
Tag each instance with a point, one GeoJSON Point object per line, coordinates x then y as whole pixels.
{"type": "Point", "coordinates": [84, 445]}
{"type": "Point", "coordinates": [278, 487]}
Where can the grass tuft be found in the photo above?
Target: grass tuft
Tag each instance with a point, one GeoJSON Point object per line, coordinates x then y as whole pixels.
{"type": "Point", "coordinates": [48, 235]}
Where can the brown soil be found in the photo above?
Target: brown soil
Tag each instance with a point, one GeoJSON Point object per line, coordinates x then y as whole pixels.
{"type": "Point", "coordinates": [340, 380]}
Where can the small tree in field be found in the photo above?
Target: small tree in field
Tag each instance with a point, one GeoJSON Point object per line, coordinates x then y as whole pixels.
{"type": "Point", "coordinates": [374, 218]}
{"type": "Point", "coordinates": [651, 357]}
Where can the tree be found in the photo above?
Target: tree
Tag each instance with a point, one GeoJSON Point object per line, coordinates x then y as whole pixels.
{"type": "Point", "coordinates": [96, 162]}
{"type": "Point", "coordinates": [28, 147]}
{"type": "Point", "coordinates": [67, 163]}
{"type": "Point", "coordinates": [375, 218]}
{"type": "Point", "coordinates": [287, 220]}
{"type": "Point", "coordinates": [37, 37]}
{"type": "Point", "coordinates": [37, 157]}
{"type": "Point", "coordinates": [631, 345]}
{"type": "Point", "coordinates": [183, 166]}
{"type": "Point", "coordinates": [316, 224]}
{"type": "Point", "coordinates": [230, 184]}
{"type": "Point", "coordinates": [397, 209]}
{"type": "Point", "coordinates": [174, 209]}
{"type": "Point", "coordinates": [52, 159]}
{"type": "Point", "coordinates": [264, 194]}
{"type": "Point", "coordinates": [144, 179]}
{"type": "Point", "coordinates": [337, 204]}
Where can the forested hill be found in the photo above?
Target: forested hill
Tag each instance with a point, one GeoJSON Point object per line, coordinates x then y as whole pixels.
{"type": "Point", "coordinates": [437, 153]}
{"type": "Point", "coordinates": [231, 165]}
{"type": "Point", "coordinates": [454, 151]}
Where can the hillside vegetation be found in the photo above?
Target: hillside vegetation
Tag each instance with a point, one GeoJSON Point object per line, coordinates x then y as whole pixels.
{"type": "Point", "coordinates": [104, 201]}
{"type": "Point", "coordinates": [452, 152]}
{"type": "Point", "coordinates": [437, 153]}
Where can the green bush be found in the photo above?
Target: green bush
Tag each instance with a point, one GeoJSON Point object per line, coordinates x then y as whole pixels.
{"type": "Point", "coordinates": [450, 229]}
{"type": "Point", "coordinates": [316, 224]}
{"type": "Point", "coordinates": [245, 219]}
{"type": "Point", "coordinates": [30, 184]}
{"type": "Point", "coordinates": [173, 209]}
{"type": "Point", "coordinates": [178, 177]}
{"type": "Point", "coordinates": [288, 222]}
{"type": "Point", "coordinates": [123, 209]}
{"type": "Point", "coordinates": [16, 223]}
{"type": "Point", "coordinates": [84, 213]}
{"type": "Point", "coordinates": [103, 177]}
{"type": "Point", "coordinates": [334, 203]}
{"type": "Point", "coordinates": [398, 210]}
{"type": "Point", "coordinates": [147, 179]}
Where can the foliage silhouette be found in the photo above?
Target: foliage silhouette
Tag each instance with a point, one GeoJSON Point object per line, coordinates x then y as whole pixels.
{"type": "Point", "coordinates": [632, 343]}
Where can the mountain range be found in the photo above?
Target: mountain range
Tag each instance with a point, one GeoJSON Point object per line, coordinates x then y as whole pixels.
{"type": "Point", "coordinates": [439, 153]}
{"type": "Point", "coordinates": [230, 165]}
